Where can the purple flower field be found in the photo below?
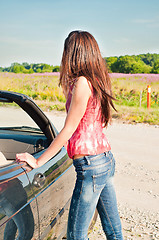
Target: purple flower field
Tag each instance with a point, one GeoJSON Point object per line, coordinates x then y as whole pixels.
{"type": "Point", "coordinates": [148, 78]}
{"type": "Point", "coordinates": [17, 75]}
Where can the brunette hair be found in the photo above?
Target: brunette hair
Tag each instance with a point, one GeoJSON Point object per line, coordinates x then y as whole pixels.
{"type": "Point", "coordinates": [82, 57]}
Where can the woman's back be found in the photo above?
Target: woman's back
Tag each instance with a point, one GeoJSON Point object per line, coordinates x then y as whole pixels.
{"type": "Point", "coordinates": [88, 139]}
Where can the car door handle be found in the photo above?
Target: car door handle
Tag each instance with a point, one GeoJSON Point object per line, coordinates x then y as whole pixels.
{"type": "Point", "coordinates": [38, 180]}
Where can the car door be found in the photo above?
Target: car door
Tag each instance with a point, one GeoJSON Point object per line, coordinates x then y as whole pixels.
{"type": "Point", "coordinates": [53, 184]}
{"type": "Point", "coordinates": [18, 206]}
{"type": "Point", "coordinates": [50, 186]}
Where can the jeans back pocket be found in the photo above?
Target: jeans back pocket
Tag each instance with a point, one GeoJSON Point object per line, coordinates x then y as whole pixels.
{"type": "Point", "coordinates": [99, 180]}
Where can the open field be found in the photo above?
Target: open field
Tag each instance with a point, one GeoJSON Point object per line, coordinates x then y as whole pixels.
{"type": "Point", "coordinates": [130, 90]}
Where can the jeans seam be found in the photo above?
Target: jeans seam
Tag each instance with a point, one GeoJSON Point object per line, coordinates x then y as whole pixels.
{"type": "Point", "coordinates": [75, 222]}
{"type": "Point", "coordinates": [98, 166]}
{"type": "Point", "coordinates": [94, 187]}
{"type": "Point", "coordinates": [101, 174]}
{"type": "Point", "coordinates": [94, 176]}
{"type": "Point", "coordinates": [81, 188]}
{"type": "Point", "coordinates": [108, 217]}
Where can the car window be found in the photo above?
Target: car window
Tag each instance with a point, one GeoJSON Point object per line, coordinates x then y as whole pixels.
{"type": "Point", "coordinates": [14, 116]}
{"type": "Point", "coordinates": [18, 133]}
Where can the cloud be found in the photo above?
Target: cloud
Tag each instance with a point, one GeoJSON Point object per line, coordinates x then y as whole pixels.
{"type": "Point", "coordinates": [153, 23]}
{"type": "Point", "coordinates": [143, 21]}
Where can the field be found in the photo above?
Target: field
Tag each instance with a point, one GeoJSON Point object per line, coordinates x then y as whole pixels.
{"type": "Point", "coordinates": [130, 91]}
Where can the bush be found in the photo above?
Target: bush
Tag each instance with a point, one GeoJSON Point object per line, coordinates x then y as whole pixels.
{"type": "Point", "coordinates": [56, 69]}
{"type": "Point", "coordinates": [38, 70]}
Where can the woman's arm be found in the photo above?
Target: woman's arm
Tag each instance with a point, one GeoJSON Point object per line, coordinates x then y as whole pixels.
{"type": "Point", "coordinates": [80, 96]}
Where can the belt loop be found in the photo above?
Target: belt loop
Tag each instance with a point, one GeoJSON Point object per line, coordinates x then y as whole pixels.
{"type": "Point", "coordinates": [88, 161]}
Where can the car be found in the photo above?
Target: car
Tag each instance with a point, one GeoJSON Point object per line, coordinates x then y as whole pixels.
{"type": "Point", "coordinates": [34, 203]}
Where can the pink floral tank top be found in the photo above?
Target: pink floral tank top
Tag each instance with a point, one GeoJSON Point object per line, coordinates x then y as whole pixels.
{"type": "Point", "coordinates": [88, 139]}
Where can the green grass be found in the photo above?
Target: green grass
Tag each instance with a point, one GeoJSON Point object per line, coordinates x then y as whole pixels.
{"type": "Point", "coordinates": [37, 87]}
{"type": "Point", "coordinates": [137, 115]}
{"type": "Point", "coordinates": [128, 93]}
{"type": "Point", "coordinates": [131, 103]}
{"type": "Point", "coordinates": [44, 90]}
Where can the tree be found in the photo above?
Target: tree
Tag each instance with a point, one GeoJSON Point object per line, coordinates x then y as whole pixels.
{"type": "Point", "coordinates": [15, 64]}
{"type": "Point", "coordinates": [156, 67]}
{"type": "Point", "coordinates": [56, 69]}
{"type": "Point", "coordinates": [26, 65]}
{"type": "Point", "coordinates": [124, 64]}
{"type": "Point", "coordinates": [47, 67]}
{"type": "Point", "coordinates": [140, 67]}
{"type": "Point", "coordinates": [38, 70]}
{"type": "Point", "coordinates": [31, 70]}
{"type": "Point", "coordinates": [111, 63]}
{"type": "Point", "coordinates": [16, 69]}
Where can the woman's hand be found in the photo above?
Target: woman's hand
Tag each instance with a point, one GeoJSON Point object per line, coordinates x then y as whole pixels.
{"type": "Point", "coordinates": [28, 158]}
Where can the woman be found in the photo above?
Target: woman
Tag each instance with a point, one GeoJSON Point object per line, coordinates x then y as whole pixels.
{"type": "Point", "coordinates": [86, 85]}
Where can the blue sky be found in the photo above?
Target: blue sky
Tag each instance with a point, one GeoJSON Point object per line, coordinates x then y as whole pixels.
{"type": "Point", "coordinates": [33, 31]}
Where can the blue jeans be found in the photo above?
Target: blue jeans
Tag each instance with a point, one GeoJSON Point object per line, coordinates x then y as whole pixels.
{"type": "Point", "coordinates": [94, 189]}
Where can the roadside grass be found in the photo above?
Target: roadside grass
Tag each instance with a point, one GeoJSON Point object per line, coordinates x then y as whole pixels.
{"type": "Point", "coordinates": [44, 87]}
{"type": "Point", "coordinates": [130, 92]}
{"type": "Point", "coordinates": [136, 115]}
{"type": "Point", "coordinates": [133, 93]}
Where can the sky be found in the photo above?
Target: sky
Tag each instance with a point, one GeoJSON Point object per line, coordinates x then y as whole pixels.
{"type": "Point", "coordinates": [34, 31]}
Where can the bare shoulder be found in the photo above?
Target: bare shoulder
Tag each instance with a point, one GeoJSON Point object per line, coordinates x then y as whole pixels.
{"type": "Point", "coordinates": [82, 80]}
{"type": "Point", "coordinates": [83, 85]}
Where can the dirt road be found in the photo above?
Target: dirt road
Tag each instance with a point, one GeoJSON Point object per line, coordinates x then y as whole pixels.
{"type": "Point", "coordinates": [136, 150]}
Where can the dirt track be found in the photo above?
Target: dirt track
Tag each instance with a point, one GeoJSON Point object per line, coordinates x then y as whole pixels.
{"type": "Point", "coordinates": [136, 150]}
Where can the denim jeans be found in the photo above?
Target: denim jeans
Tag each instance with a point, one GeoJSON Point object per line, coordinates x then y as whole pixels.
{"type": "Point", "coordinates": [94, 189]}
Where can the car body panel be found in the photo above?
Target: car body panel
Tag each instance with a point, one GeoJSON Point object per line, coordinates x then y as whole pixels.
{"type": "Point", "coordinates": [17, 204]}
{"type": "Point", "coordinates": [47, 189]}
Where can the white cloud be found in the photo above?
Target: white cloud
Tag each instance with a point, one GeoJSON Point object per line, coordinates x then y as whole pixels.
{"type": "Point", "coordinates": [148, 22]}
{"type": "Point", "coordinates": [143, 21]}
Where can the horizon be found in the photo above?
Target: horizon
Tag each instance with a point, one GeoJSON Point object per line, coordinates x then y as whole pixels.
{"type": "Point", "coordinates": [35, 33]}
{"type": "Point", "coordinates": [59, 64]}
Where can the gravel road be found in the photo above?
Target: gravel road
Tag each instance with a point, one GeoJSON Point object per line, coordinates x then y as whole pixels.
{"type": "Point", "coordinates": [136, 150]}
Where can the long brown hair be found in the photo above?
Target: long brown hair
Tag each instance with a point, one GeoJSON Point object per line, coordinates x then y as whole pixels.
{"type": "Point", "coordinates": [82, 57]}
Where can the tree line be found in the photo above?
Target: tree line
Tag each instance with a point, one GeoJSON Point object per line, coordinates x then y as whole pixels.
{"type": "Point", "coordinates": [142, 63]}
{"type": "Point", "coordinates": [30, 68]}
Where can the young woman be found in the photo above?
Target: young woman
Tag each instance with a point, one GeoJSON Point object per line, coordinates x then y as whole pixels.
{"type": "Point", "coordinates": [86, 85]}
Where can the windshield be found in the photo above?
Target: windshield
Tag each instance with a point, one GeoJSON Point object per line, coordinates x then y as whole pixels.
{"type": "Point", "coordinates": [12, 117]}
